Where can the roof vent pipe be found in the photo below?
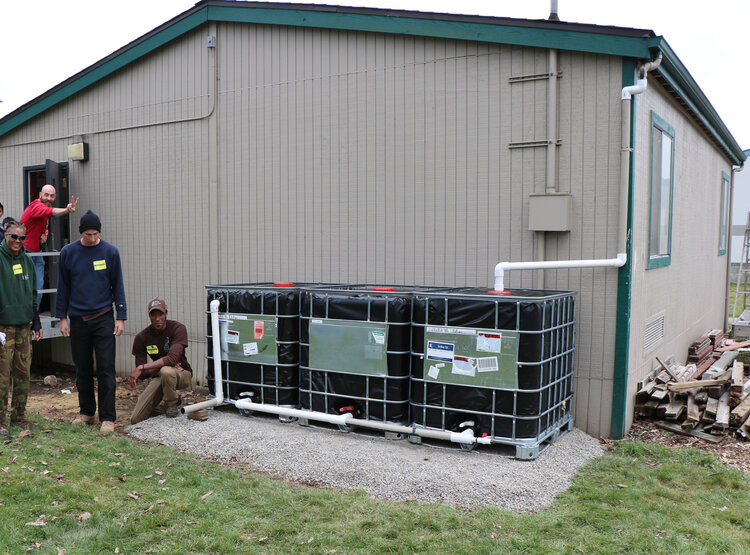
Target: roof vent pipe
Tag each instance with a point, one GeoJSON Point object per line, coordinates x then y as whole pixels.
{"type": "Point", "coordinates": [553, 11]}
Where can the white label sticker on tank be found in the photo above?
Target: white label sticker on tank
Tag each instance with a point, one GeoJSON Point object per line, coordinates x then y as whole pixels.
{"type": "Point", "coordinates": [462, 331]}
{"type": "Point", "coordinates": [433, 372]}
{"type": "Point", "coordinates": [379, 337]}
{"type": "Point", "coordinates": [234, 316]}
{"type": "Point", "coordinates": [440, 351]}
{"type": "Point", "coordinates": [250, 349]}
{"type": "Point", "coordinates": [489, 342]}
{"type": "Point", "coordinates": [487, 364]}
{"type": "Point", "coordinates": [464, 366]}
{"type": "Point", "coordinates": [233, 337]}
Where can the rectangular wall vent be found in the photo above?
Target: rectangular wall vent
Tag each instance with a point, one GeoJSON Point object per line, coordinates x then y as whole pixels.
{"type": "Point", "coordinates": [654, 332]}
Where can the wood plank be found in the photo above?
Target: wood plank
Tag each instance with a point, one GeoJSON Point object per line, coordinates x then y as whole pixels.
{"type": "Point", "coordinates": [660, 393]}
{"type": "Point", "coordinates": [675, 409]}
{"type": "Point", "coordinates": [722, 414]}
{"type": "Point", "coordinates": [694, 433]}
{"type": "Point", "coordinates": [693, 411]}
{"type": "Point", "coordinates": [695, 384]}
{"type": "Point", "coordinates": [738, 376]}
{"type": "Point", "coordinates": [734, 346]}
{"type": "Point", "coordinates": [740, 412]}
{"type": "Point", "coordinates": [644, 393]}
{"type": "Point", "coordinates": [667, 369]}
{"type": "Point", "coordinates": [712, 406]}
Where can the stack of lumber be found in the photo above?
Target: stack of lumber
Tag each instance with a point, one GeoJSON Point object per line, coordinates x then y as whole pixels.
{"type": "Point", "coordinates": [708, 397]}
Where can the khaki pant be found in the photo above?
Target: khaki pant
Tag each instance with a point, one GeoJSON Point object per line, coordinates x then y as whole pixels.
{"type": "Point", "coordinates": [164, 387]}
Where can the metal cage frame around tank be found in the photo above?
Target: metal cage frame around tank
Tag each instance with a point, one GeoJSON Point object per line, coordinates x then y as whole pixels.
{"type": "Point", "coordinates": [269, 393]}
{"type": "Point", "coordinates": [372, 293]}
{"type": "Point", "coordinates": [560, 361]}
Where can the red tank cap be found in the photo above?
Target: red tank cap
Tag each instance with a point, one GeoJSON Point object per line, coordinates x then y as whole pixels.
{"type": "Point", "coordinates": [493, 292]}
{"type": "Point", "coordinates": [383, 289]}
{"type": "Point", "coordinates": [283, 284]}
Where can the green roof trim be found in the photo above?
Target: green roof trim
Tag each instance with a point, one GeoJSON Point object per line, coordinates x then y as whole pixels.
{"type": "Point", "coordinates": [101, 70]}
{"type": "Point", "coordinates": [562, 39]}
{"type": "Point", "coordinates": [628, 43]}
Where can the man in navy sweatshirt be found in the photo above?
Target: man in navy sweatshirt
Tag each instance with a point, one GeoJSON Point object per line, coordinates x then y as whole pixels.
{"type": "Point", "coordinates": [89, 282]}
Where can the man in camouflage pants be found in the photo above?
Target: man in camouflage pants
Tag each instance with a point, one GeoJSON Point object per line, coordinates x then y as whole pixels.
{"type": "Point", "coordinates": [17, 311]}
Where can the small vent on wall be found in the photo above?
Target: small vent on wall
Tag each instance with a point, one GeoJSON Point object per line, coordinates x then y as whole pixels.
{"type": "Point", "coordinates": [654, 332]}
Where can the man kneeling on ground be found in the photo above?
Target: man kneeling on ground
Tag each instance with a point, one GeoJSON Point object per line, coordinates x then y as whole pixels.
{"type": "Point", "coordinates": [165, 342]}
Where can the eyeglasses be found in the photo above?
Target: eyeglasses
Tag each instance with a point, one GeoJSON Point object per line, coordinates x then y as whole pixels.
{"type": "Point", "coordinates": [16, 237]}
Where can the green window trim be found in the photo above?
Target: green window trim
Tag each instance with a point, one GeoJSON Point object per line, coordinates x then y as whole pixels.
{"type": "Point", "coordinates": [659, 129]}
{"type": "Point", "coordinates": [724, 215]}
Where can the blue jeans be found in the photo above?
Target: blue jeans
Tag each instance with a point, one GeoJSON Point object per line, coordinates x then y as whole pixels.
{"type": "Point", "coordinates": [39, 266]}
{"type": "Point", "coordinates": [86, 339]}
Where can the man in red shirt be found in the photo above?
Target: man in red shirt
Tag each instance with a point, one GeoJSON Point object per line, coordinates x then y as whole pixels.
{"type": "Point", "coordinates": [35, 218]}
{"type": "Point", "coordinates": [164, 342]}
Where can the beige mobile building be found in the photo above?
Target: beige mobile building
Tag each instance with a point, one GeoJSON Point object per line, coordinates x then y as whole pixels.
{"type": "Point", "coordinates": [247, 142]}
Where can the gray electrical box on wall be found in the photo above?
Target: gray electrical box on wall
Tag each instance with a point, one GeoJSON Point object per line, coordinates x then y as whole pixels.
{"type": "Point", "coordinates": [549, 211]}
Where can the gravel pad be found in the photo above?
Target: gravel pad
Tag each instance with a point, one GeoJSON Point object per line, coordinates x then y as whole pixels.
{"type": "Point", "coordinates": [385, 468]}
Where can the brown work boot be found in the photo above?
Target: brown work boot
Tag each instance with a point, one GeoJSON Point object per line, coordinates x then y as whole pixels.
{"type": "Point", "coordinates": [172, 411]}
{"type": "Point", "coordinates": [108, 428]}
{"type": "Point", "coordinates": [83, 420]}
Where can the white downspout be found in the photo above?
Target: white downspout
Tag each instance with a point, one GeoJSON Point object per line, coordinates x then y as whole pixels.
{"type": "Point", "coordinates": [218, 384]}
{"type": "Point", "coordinates": [622, 256]}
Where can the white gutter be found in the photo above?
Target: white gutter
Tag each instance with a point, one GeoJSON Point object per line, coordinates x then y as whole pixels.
{"type": "Point", "coordinates": [218, 384]}
{"type": "Point", "coordinates": [621, 257]}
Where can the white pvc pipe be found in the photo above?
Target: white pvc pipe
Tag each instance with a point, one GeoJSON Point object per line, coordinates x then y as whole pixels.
{"type": "Point", "coordinates": [218, 384]}
{"type": "Point", "coordinates": [503, 267]}
{"type": "Point", "coordinates": [622, 257]}
{"type": "Point", "coordinates": [465, 437]}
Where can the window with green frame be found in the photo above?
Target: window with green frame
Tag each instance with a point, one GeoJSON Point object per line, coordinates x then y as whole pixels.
{"type": "Point", "coordinates": [662, 189]}
{"type": "Point", "coordinates": [724, 217]}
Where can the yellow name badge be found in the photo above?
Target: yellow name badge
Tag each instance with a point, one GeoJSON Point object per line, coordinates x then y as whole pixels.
{"type": "Point", "coordinates": [17, 269]}
{"type": "Point", "coordinates": [100, 265]}
{"type": "Point", "coordinates": [152, 349]}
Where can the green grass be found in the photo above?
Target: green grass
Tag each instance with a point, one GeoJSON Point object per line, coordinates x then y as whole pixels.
{"type": "Point", "coordinates": [98, 495]}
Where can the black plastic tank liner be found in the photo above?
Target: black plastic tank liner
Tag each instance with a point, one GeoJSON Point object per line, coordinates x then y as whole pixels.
{"type": "Point", "coordinates": [545, 367]}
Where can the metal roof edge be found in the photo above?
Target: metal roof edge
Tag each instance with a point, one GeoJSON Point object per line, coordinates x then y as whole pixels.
{"type": "Point", "coordinates": [628, 43]}
{"type": "Point", "coordinates": [679, 78]}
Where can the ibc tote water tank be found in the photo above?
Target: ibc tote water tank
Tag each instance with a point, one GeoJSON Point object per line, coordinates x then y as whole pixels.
{"type": "Point", "coordinates": [501, 364]}
{"type": "Point", "coordinates": [355, 351]}
{"type": "Point", "coordinates": [259, 326]}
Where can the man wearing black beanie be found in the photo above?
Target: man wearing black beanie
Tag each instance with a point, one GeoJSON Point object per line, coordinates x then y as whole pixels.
{"type": "Point", "coordinates": [89, 282]}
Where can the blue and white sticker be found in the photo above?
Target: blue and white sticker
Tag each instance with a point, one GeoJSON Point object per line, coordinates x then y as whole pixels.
{"type": "Point", "coordinates": [437, 350]}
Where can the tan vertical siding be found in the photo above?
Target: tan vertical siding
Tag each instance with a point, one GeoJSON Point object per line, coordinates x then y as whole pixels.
{"type": "Point", "coordinates": [345, 156]}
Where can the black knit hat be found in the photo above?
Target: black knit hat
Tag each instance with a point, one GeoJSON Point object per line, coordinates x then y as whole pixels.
{"type": "Point", "coordinates": [90, 221]}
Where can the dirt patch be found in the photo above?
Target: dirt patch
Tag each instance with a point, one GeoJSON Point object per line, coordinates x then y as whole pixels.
{"type": "Point", "coordinates": [59, 402]}
{"type": "Point", "coordinates": [54, 403]}
{"type": "Point", "coordinates": [733, 451]}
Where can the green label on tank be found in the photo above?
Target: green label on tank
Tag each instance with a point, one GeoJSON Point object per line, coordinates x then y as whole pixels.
{"type": "Point", "coordinates": [349, 346]}
{"type": "Point", "coordinates": [468, 356]}
{"type": "Point", "coordinates": [248, 338]}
